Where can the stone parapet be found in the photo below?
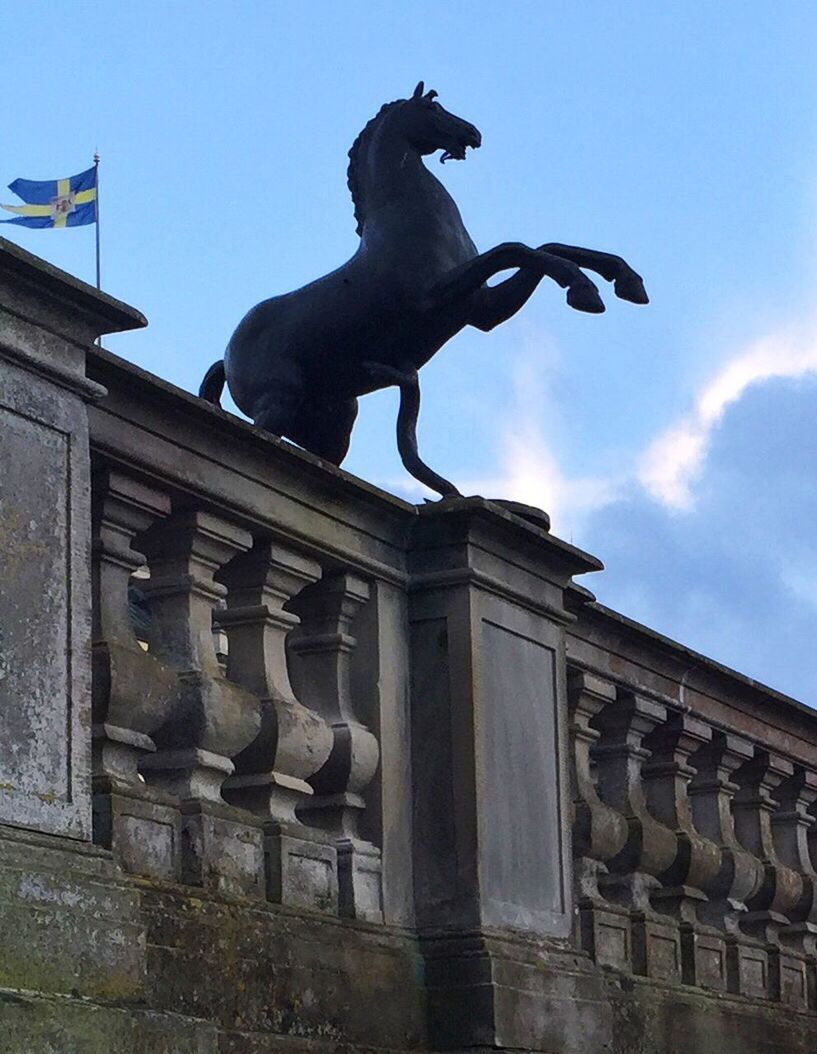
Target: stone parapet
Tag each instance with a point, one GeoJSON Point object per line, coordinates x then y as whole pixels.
{"type": "Point", "coordinates": [717, 794]}
{"type": "Point", "coordinates": [288, 763]}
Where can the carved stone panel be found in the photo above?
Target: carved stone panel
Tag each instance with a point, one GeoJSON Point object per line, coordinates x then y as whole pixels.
{"type": "Point", "coordinates": [44, 606]}
{"type": "Point", "coordinates": [521, 833]}
{"type": "Point", "coordinates": [439, 878]}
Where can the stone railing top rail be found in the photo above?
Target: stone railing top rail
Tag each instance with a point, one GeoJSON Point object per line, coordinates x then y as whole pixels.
{"type": "Point", "coordinates": [609, 643]}
{"type": "Point", "coordinates": [30, 273]}
{"type": "Point", "coordinates": [144, 424]}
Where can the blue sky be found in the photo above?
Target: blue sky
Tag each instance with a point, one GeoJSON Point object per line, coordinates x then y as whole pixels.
{"type": "Point", "coordinates": [678, 442]}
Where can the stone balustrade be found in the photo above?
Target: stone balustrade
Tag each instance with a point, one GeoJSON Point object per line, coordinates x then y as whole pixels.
{"type": "Point", "coordinates": [694, 836]}
{"type": "Point", "coordinates": [288, 772]}
{"type": "Point", "coordinates": [231, 781]}
{"type": "Point", "coordinates": [261, 776]}
{"type": "Point", "coordinates": [345, 746]}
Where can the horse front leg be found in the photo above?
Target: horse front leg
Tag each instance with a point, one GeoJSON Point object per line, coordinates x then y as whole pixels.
{"type": "Point", "coordinates": [627, 283]}
{"type": "Point", "coordinates": [533, 265]}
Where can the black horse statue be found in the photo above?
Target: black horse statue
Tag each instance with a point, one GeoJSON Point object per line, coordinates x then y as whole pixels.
{"type": "Point", "coordinates": [297, 363]}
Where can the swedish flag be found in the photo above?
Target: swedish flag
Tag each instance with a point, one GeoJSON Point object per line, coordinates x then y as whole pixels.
{"type": "Point", "coordinates": [68, 202]}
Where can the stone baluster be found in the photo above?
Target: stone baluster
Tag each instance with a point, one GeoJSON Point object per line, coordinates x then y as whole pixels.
{"type": "Point", "coordinates": [692, 873]}
{"type": "Point", "coordinates": [599, 832]}
{"type": "Point", "coordinates": [739, 875]}
{"type": "Point", "coordinates": [321, 657]}
{"type": "Point", "coordinates": [790, 827]}
{"type": "Point", "coordinates": [651, 847]}
{"type": "Point", "coordinates": [811, 839]}
{"type": "Point", "coordinates": [215, 719]}
{"type": "Point", "coordinates": [132, 692]}
{"type": "Point", "coordinates": [753, 807]}
{"type": "Point", "coordinates": [293, 742]}
{"type": "Point", "coordinates": [772, 904]}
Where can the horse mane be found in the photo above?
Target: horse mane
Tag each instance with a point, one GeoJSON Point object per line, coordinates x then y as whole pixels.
{"type": "Point", "coordinates": [358, 146]}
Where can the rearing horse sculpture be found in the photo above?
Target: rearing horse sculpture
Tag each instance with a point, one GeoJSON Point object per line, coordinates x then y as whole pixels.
{"type": "Point", "coordinates": [297, 363]}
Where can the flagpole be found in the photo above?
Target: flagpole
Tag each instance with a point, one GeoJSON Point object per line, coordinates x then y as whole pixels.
{"type": "Point", "coordinates": [96, 203]}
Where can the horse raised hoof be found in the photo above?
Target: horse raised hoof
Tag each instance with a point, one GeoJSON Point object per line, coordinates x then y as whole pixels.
{"type": "Point", "coordinates": [585, 298]}
{"type": "Point", "coordinates": [630, 287]}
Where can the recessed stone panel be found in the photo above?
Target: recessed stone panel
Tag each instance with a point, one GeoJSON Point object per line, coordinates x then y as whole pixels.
{"type": "Point", "coordinates": [522, 865]}
{"type": "Point", "coordinates": [302, 872]}
{"type": "Point", "coordinates": [754, 981]}
{"type": "Point", "coordinates": [148, 846]}
{"type": "Point", "coordinates": [710, 962]}
{"type": "Point", "coordinates": [34, 640]}
{"type": "Point", "coordinates": [42, 664]}
{"type": "Point", "coordinates": [612, 943]}
{"type": "Point", "coordinates": [793, 987]}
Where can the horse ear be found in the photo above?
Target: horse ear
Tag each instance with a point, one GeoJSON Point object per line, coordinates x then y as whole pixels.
{"type": "Point", "coordinates": [418, 91]}
{"type": "Point", "coordinates": [431, 95]}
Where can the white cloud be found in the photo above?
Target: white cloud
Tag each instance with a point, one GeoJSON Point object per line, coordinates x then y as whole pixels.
{"type": "Point", "coordinates": [529, 472]}
{"type": "Point", "coordinates": [668, 468]}
{"type": "Point", "coordinates": [673, 461]}
{"type": "Point", "coordinates": [528, 469]}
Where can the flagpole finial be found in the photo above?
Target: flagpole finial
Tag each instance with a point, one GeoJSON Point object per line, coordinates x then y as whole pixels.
{"type": "Point", "coordinates": [96, 157]}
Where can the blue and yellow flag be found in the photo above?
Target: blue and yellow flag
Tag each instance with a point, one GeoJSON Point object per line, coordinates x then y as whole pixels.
{"type": "Point", "coordinates": [55, 202]}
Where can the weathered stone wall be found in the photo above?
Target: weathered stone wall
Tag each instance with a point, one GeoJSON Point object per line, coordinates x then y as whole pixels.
{"type": "Point", "coordinates": [289, 764]}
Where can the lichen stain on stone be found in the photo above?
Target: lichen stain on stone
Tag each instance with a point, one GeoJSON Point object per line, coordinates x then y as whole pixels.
{"type": "Point", "coordinates": [17, 544]}
{"type": "Point", "coordinates": [35, 888]}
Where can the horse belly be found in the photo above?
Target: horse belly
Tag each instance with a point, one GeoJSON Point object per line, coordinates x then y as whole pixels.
{"type": "Point", "coordinates": [308, 342]}
{"type": "Point", "coordinates": [439, 331]}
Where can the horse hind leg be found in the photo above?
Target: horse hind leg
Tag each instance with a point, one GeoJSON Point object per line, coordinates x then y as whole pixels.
{"type": "Point", "coordinates": [323, 428]}
{"type": "Point", "coordinates": [277, 412]}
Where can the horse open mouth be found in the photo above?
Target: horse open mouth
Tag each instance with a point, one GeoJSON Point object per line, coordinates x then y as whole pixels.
{"type": "Point", "coordinates": [456, 154]}
{"type": "Point", "coordinates": [468, 137]}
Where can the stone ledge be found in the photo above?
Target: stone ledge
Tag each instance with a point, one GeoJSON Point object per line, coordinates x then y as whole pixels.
{"type": "Point", "coordinates": [34, 1024]}
{"type": "Point", "coordinates": [34, 277]}
{"type": "Point", "coordinates": [649, 1016]}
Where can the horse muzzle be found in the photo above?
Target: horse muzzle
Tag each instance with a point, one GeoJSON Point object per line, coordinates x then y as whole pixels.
{"type": "Point", "coordinates": [470, 137]}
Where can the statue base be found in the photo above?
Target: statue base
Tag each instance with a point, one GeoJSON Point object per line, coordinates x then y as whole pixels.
{"type": "Point", "coordinates": [537, 517]}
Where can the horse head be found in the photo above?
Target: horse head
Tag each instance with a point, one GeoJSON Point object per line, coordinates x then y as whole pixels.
{"type": "Point", "coordinates": [417, 122]}
{"type": "Point", "coordinates": [429, 127]}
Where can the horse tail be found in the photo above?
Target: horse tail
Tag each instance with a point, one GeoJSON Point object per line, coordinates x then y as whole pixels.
{"type": "Point", "coordinates": [213, 384]}
{"type": "Point", "coordinates": [407, 415]}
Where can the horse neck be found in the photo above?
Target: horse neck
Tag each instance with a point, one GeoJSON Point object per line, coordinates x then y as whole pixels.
{"type": "Point", "coordinates": [392, 172]}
